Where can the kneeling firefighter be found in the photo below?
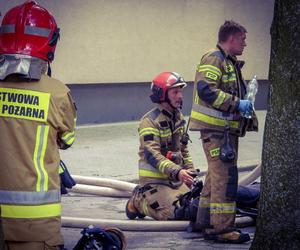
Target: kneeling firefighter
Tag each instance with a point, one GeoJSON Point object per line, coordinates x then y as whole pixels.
{"type": "Point", "coordinates": [37, 118]}
{"type": "Point", "coordinates": [165, 165]}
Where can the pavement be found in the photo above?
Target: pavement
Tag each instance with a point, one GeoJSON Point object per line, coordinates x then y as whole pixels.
{"type": "Point", "coordinates": [110, 150]}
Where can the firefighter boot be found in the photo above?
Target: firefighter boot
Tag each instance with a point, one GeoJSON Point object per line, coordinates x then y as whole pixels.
{"type": "Point", "coordinates": [234, 237]}
{"type": "Point", "coordinates": [131, 211]}
{"type": "Point", "coordinates": [119, 236]}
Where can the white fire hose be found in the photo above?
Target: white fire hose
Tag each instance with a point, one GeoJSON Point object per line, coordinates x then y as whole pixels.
{"type": "Point", "coordinates": [251, 177]}
{"type": "Point", "coordinates": [100, 191]}
{"type": "Point", "coordinates": [140, 225]}
{"type": "Point", "coordinates": [104, 182]}
{"type": "Point", "coordinates": [115, 188]}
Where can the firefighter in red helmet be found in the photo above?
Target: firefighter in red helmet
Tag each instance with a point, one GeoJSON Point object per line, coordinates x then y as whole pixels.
{"type": "Point", "coordinates": [165, 164]}
{"type": "Point", "coordinates": [37, 118]}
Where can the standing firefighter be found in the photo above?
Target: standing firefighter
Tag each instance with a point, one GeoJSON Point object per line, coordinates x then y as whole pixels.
{"type": "Point", "coordinates": [165, 164]}
{"type": "Point", "coordinates": [217, 111]}
{"type": "Point", "coordinates": [37, 117]}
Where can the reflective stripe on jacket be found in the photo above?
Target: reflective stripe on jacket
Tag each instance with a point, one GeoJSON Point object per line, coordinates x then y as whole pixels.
{"type": "Point", "coordinates": [36, 119]}
{"type": "Point", "coordinates": [218, 87]}
{"type": "Point", "coordinates": [160, 131]}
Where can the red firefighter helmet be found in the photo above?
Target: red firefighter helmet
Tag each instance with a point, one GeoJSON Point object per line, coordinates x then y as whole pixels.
{"type": "Point", "coordinates": [29, 29]}
{"type": "Point", "coordinates": [162, 83]}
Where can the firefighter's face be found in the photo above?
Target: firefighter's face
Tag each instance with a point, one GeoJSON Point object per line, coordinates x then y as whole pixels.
{"type": "Point", "coordinates": [176, 96]}
{"type": "Point", "coordinates": [237, 44]}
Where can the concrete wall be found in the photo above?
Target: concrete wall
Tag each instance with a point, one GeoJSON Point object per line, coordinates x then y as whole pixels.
{"type": "Point", "coordinates": [128, 42]}
{"type": "Point", "coordinates": [113, 41]}
{"type": "Point", "coordinates": [105, 103]}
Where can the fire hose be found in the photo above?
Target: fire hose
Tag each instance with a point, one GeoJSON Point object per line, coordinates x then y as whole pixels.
{"type": "Point", "coordinates": [115, 188]}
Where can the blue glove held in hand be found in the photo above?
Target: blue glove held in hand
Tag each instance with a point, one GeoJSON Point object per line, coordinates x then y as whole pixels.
{"type": "Point", "coordinates": [245, 107]}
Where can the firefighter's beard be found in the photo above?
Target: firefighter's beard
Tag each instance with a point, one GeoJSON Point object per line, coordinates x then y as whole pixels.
{"type": "Point", "coordinates": [176, 104]}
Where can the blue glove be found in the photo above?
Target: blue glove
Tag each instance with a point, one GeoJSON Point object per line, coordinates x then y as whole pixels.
{"type": "Point", "coordinates": [245, 107]}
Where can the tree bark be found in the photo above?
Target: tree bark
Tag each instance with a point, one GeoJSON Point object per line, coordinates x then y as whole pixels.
{"type": "Point", "coordinates": [1, 237]}
{"type": "Point", "coordinates": [278, 224]}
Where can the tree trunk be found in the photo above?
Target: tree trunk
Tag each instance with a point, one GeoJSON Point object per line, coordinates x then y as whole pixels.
{"type": "Point", "coordinates": [1, 237]}
{"type": "Point", "coordinates": [278, 225]}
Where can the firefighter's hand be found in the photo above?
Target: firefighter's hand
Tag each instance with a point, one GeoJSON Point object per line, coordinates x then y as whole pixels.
{"type": "Point", "coordinates": [245, 107]}
{"type": "Point", "coordinates": [185, 176]}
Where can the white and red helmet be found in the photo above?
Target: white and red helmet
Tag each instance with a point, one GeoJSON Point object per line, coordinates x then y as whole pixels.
{"type": "Point", "coordinates": [162, 83]}
{"type": "Point", "coordinates": [29, 29]}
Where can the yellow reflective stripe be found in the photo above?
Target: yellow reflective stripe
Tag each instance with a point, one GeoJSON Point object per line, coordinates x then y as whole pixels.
{"type": "Point", "coordinates": [214, 112]}
{"type": "Point", "coordinates": [222, 208]}
{"type": "Point", "coordinates": [163, 165]}
{"type": "Point", "coordinates": [36, 160]}
{"type": "Point", "coordinates": [213, 120]}
{"type": "Point", "coordinates": [188, 160]}
{"type": "Point", "coordinates": [75, 122]}
{"type": "Point", "coordinates": [148, 173]}
{"type": "Point", "coordinates": [24, 104]}
{"type": "Point", "coordinates": [214, 152]}
{"type": "Point", "coordinates": [67, 135]}
{"type": "Point", "coordinates": [165, 133]}
{"type": "Point", "coordinates": [154, 131]}
{"type": "Point", "coordinates": [219, 100]}
{"type": "Point", "coordinates": [31, 212]}
{"type": "Point", "coordinates": [229, 80]}
{"type": "Point", "coordinates": [226, 78]}
{"type": "Point", "coordinates": [145, 208]}
{"type": "Point", "coordinates": [222, 211]}
{"type": "Point", "coordinates": [204, 202]}
{"type": "Point", "coordinates": [38, 157]}
{"type": "Point", "coordinates": [147, 131]}
{"type": "Point", "coordinates": [211, 74]}
{"type": "Point", "coordinates": [205, 67]}
{"type": "Point", "coordinates": [197, 98]}
{"type": "Point", "coordinates": [60, 170]}
{"type": "Point", "coordinates": [45, 141]}
{"type": "Point", "coordinates": [69, 138]}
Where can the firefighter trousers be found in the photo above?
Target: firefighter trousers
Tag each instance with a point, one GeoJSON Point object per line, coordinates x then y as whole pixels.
{"type": "Point", "coordinates": [216, 212]}
{"type": "Point", "coordinates": [157, 200]}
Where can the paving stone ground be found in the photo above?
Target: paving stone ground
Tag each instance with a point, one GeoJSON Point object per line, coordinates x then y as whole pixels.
{"type": "Point", "coordinates": [110, 151]}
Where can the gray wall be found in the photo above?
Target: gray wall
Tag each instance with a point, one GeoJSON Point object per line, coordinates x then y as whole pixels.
{"type": "Point", "coordinates": [106, 103]}
{"type": "Point", "coordinates": [111, 49]}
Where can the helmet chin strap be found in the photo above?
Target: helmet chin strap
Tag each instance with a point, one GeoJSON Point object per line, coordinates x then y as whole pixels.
{"type": "Point", "coordinates": [49, 72]}
{"type": "Point", "coordinates": [181, 103]}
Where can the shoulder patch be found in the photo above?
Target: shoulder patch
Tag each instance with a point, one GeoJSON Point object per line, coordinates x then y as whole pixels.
{"type": "Point", "coordinates": [211, 75]}
{"type": "Point", "coordinates": [164, 124]}
{"type": "Point", "coordinates": [153, 114]}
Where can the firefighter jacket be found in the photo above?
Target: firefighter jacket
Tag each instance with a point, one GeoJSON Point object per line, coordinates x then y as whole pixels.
{"type": "Point", "coordinates": [160, 131]}
{"type": "Point", "coordinates": [36, 119]}
{"type": "Point", "coordinates": [218, 87]}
